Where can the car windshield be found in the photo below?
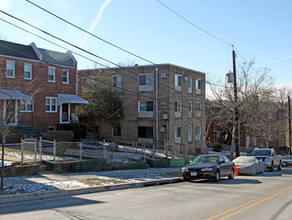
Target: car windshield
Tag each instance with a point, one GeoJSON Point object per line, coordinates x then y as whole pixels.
{"type": "Point", "coordinates": [261, 153]}
{"type": "Point", "coordinates": [206, 159]}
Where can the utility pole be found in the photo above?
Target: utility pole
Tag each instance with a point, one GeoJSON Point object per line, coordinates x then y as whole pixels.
{"type": "Point", "coordinates": [235, 120]}
{"type": "Point", "coordinates": [289, 124]}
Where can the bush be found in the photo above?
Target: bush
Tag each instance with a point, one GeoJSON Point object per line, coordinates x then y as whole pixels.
{"type": "Point", "coordinates": [79, 130]}
{"type": "Point", "coordinates": [60, 136]}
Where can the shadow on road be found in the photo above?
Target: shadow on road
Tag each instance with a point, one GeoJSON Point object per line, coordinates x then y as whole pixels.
{"type": "Point", "coordinates": [47, 204]}
{"type": "Point", "coordinates": [235, 181]}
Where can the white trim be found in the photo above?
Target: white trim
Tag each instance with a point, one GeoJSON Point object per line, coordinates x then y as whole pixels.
{"type": "Point", "coordinates": [67, 71]}
{"type": "Point", "coordinates": [54, 68]}
{"type": "Point", "coordinates": [13, 70]}
{"type": "Point", "coordinates": [56, 104]}
{"type": "Point", "coordinates": [30, 73]}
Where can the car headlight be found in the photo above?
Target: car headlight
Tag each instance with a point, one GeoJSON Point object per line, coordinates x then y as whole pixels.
{"type": "Point", "coordinates": [207, 169]}
{"type": "Point", "coordinates": [184, 169]}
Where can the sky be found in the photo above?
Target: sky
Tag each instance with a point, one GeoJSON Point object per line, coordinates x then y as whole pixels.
{"type": "Point", "coordinates": [259, 30]}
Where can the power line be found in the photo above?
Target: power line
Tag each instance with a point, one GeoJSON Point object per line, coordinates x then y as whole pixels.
{"type": "Point", "coordinates": [193, 24]}
{"type": "Point", "coordinates": [94, 79]}
{"type": "Point", "coordinates": [120, 48]}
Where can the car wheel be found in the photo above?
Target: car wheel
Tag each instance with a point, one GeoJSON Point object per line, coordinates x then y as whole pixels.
{"type": "Point", "coordinates": [231, 176]}
{"type": "Point", "coordinates": [272, 167]}
{"type": "Point", "coordinates": [186, 178]}
{"type": "Point", "coordinates": [280, 167]}
{"type": "Point", "coordinates": [217, 176]}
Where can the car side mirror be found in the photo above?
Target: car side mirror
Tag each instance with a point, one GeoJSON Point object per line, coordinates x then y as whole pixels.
{"type": "Point", "coordinates": [222, 161]}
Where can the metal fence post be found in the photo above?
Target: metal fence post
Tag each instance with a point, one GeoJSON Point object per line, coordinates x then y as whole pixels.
{"type": "Point", "coordinates": [22, 142]}
{"type": "Point", "coordinates": [41, 149]}
{"type": "Point", "coordinates": [35, 152]}
{"type": "Point", "coordinates": [80, 150]}
{"type": "Point", "coordinates": [54, 149]}
{"type": "Point", "coordinates": [104, 149]}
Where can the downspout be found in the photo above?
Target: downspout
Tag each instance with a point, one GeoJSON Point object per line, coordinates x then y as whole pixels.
{"type": "Point", "coordinates": [156, 105]}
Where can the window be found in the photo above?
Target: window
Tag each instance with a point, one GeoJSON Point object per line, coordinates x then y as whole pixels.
{"type": "Point", "coordinates": [190, 133]}
{"type": "Point", "coordinates": [117, 131]}
{"type": "Point", "coordinates": [177, 106]}
{"type": "Point", "coordinates": [177, 135]}
{"type": "Point", "coordinates": [190, 86]}
{"type": "Point", "coordinates": [198, 109]}
{"type": "Point", "coordinates": [190, 105]}
{"type": "Point", "coordinates": [270, 115]}
{"type": "Point", "coordinates": [198, 132]}
{"type": "Point", "coordinates": [198, 86]}
{"type": "Point", "coordinates": [146, 80]}
{"type": "Point", "coordinates": [145, 132]}
{"type": "Point", "coordinates": [177, 82]}
{"type": "Point", "coordinates": [27, 71]}
{"type": "Point", "coordinates": [26, 105]}
{"type": "Point", "coordinates": [162, 75]}
{"type": "Point", "coordinates": [10, 69]}
{"type": "Point", "coordinates": [51, 74]}
{"type": "Point", "coordinates": [145, 106]}
{"type": "Point", "coordinates": [51, 104]}
{"type": "Point", "coordinates": [117, 82]}
{"type": "Point", "coordinates": [65, 76]}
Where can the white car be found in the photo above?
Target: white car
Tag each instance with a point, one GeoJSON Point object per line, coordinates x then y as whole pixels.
{"type": "Point", "coordinates": [249, 165]}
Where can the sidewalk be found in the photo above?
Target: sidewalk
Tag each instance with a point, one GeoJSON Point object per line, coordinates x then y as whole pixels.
{"type": "Point", "coordinates": [50, 185]}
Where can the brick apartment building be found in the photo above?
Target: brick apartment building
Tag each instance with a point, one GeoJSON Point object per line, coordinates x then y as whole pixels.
{"type": "Point", "coordinates": [37, 86]}
{"type": "Point", "coordinates": [163, 105]}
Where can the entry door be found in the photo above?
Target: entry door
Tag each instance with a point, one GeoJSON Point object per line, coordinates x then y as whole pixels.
{"type": "Point", "coordinates": [10, 116]}
{"type": "Point", "coordinates": [65, 113]}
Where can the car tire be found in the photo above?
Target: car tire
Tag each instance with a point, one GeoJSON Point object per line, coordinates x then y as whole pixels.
{"type": "Point", "coordinates": [280, 167]}
{"type": "Point", "coordinates": [272, 167]}
{"type": "Point", "coordinates": [186, 179]}
{"type": "Point", "coordinates": [217, 176]}
{"type": "Point", "coordinates": [231, 176]}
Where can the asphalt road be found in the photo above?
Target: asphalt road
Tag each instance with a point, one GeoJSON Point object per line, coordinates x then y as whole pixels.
{"type": "Point", "coordinates": [267, 196]}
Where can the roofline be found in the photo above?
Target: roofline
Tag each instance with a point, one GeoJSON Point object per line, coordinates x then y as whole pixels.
{"type": "Point", "coordinates": [157, 65]}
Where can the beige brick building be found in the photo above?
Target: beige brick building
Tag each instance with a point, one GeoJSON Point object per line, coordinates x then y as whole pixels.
{"type": "Point", "coordinates": [163, 105]}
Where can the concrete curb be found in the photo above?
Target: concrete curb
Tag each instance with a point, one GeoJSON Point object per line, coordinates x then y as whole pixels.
{"type": "Point", "coordinates": [62, 193]}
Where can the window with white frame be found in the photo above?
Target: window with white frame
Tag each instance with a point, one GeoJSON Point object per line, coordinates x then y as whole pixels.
{"type": "Point", "coordinates": [198, 109]}
{"type": "Point", "coordinates": [117, 82]}
{"type": "Point", "coordinates": [190, 133]}
{"type": "Point", "coordinates": [177, 106]}
{"type": "Point", "coordinates": [146, 79]}
{"type": "Point", "coordinates": [27, 71]}
{"type": "Point", "coordinates": [26, 105]}
{"type": "Point", "coordinates": [198, 132]}
{"type": "Point", "coordinates": [177, 82]}
{"type": "Point", "coordinates": [190, 85]}
{"type": "Point", "coordinates": [190, 105]}
{"type": "Point", "coordinates": [51, 104]}
{"type": "Point", "coordinates": [51, 74]}
{"type": "Point", "coordinates": [270, 115]}
{"type": "Point", "coordinates": [65, 76]}
{"type": "Point", "coordinates": [177, 134]}
{"type": "Point", "coordinates": [10, 69]}
{"type": "Point", "coordinates": [198, 86]}
{"type": "Point", "coordinates": [145, 106]}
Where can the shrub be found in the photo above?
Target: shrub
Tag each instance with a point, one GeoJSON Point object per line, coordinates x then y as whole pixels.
{"type": "Point", "coordinates": [78, 129]}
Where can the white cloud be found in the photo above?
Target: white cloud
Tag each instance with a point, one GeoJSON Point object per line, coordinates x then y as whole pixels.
{"type": "Point", "coordinates": [6, 4]}
{"type": "Point", "coordinates": [277, 60]}
{"type": "Point", "coordinates": [95, 22]}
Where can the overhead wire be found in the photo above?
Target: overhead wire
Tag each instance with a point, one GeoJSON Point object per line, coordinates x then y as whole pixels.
{"type": "Point", "coordinates": [91, 78]}
{"type": "Point", "coordinates": [99, 38]}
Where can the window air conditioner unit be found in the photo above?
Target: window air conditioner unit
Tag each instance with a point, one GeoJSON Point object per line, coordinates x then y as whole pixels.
{"type": "Point", "coordinates": [164, 116]}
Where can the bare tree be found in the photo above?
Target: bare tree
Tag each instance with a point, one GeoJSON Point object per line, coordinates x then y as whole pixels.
{"type": "Point", "coordinates": [14, 101]}
{"type": "Point", "coordinates": [255, 87]}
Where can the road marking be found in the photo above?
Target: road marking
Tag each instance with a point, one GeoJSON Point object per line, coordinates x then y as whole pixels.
{"type": "Point", "coordinates": [250, 204]}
